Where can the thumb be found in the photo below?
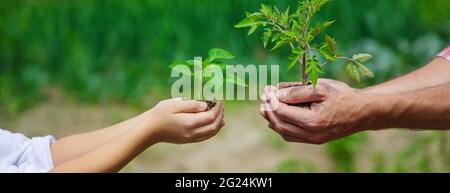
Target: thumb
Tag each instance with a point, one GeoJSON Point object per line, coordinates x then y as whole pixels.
{"type": "Point", "coordinates": [300, 94]}
{"type": "Point", "coordinates": [187, 106]}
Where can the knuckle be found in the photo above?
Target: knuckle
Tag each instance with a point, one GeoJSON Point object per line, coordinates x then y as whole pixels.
{"type": "Point", "coordinates": [313, 126]}
{"type": "Point", "coordinates": [188, 124]}
{"type": "Point", "coordinates": [279, 127]}
{"type": "Point", "coordinates": [293, 91]}
{"type": "Point", "coordinates": [316, 124]}
{"type": "Point", "coordinates": [325, 80]}
{"type": "Point", "coordinates": [210, 117]}
{"type": "Point", "coordinates": [188, 135]}
{"type": "Point", "coordinates": [213, 129]}
{"type": "Point", "coordinates": [286, 138]}
{"type": "Point", "coordinates": [278, 111]}
{"type": "Point", "coordinates": [321, 92]}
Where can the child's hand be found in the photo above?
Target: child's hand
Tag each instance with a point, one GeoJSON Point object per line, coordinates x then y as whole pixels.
{"type": "Point", "coordinates": [182, 121]}
{"type": "Point", "coordinates": [174, 121]}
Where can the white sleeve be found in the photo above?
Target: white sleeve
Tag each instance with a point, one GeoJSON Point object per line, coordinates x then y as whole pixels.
{"type": "Point", "coordinates": [21, 154]}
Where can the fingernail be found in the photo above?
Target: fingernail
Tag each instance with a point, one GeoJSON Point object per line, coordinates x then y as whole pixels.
{"type": "Point", "coordinates": [203, 105]}
{"type": "Point", "coordinates": [263, 97]}
{"type": "Point", "coordinates": [282, 94]}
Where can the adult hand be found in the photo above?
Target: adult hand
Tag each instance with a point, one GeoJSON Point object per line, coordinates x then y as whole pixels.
{"type": "Point", "coordinates": [335, 111]}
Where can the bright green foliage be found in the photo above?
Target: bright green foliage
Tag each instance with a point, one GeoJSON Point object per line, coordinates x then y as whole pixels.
{"type": "Point", "coordinates": [118, 51]}
{"type": "Point", "coordinates": [296, 30]}
{"type": "Point", "coordinates": [344, 152]}
{"type": "Point", "coordinates": [216, 56]}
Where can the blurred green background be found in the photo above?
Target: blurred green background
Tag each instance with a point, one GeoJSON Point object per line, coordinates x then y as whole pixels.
{"type": "Point", "coordinates": [72, 66]}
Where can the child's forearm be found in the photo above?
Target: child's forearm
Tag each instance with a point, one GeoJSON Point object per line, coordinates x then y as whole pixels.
{"type": "Point", "coordinates": [111, 156]}
{"type": "Point", "coordinates": [437, 72]}
{"type": "Point", "coordinates": [108, 150]}
{"type": "Point", "coordinates": [73, 146]}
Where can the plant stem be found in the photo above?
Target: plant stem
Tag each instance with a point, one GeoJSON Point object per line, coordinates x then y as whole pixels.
{"type": "Point", "coordinates": [346, 58]}
{"type": "Point", "coordinates": [303, 70]}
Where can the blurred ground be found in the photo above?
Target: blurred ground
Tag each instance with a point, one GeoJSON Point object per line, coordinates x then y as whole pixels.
{"type": "Point", "coordinates": [245, 144]}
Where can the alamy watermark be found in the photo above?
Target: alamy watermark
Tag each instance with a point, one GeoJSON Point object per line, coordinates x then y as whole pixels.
{"type": "Point", "coordinates": [226, 82]}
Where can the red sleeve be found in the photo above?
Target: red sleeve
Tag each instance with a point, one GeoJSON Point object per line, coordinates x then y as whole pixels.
{"type": "Point", "coordinates": [445, 53]}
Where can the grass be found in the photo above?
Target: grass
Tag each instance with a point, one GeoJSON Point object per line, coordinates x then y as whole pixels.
{"type": "Point", "coordinates": [295, 166]}
{"type": "Point", "coordinates": [343, 152]}
{"type": "Point", "coordinates": [275, 140]}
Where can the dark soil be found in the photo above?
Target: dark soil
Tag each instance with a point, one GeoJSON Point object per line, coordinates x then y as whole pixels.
{"type": "Point", "coordinates": [211, 104]}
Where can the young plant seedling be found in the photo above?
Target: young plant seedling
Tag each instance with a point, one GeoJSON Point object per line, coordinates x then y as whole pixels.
{"type": "Point", "coordinates": [297, 31]}
{"type": "Point", "coordinates": [217, 57]}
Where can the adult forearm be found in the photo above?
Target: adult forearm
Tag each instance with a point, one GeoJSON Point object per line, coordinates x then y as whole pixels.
{"type": "Point", "coordinates": [437, 72]}
{"type": "Point", "coordinates": [111, 156]}
{"type": "Point", "coordinates": [427, 109]}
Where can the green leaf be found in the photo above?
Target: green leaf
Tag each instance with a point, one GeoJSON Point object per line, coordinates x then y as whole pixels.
{"type": "Point", "coordinates": [286, 12]}
{"type": "Point", "coordinates": [277, 11]}
{"type": "Point", "coordinates": [313, 70]}
{"type": "Point", "coordinates": [314, 66]}
{"type": "Point", "coordinates": [218, 83]}
{"type": "Point", "coordinates": [176, 63]}
{"type": "Point", "coordinates": [320, 27]}
{"type": "Point", "coordinates": [362, 57]}
{"type": "Point", "coordinates": [365, 71]}
{"type": "Point", "coordinates": [220, 64]}
{"type": "Point", "coordinates": [266, 9]}
{"type": "Point", "coordinates": [254, 15]}
{"type": "Point", "coordinates": [327, 53]}
{"type": "Point", "coordinates": [185, 71]}
{"type": "Point", "coordinates": [319, 3]}
{"type": "Point", "coordinates": [279, 44]}
{"type": "Point", "coordinates": [235, 80]}
{"type": "Point", "coordinates": [275, 36]}
{"type": "Point", "coordinates": [252, 29]}
{"type": "Point", "coordinates": [266, 37]}
{"type": "Point", "coordinates": [189, 63]}
{"type": "Point", "coordinates": [356, 70]}
{"type": "Point", "coordinates": [285, 17]}
{"type": "Point", "coordinates": [218, 54]}
{"type": "Point", "coordinates": [290, 34]}
{"type": "Point", "coordinates": [248, 22]}
{"type": "Point", "coordinates": [313, 77]}
{"type": "Point", "coordinates": [331, 43]}
{"type": "Point", "coordinates": [295, 57]}
{"type": "Point", "coordinates": [353, 71]}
